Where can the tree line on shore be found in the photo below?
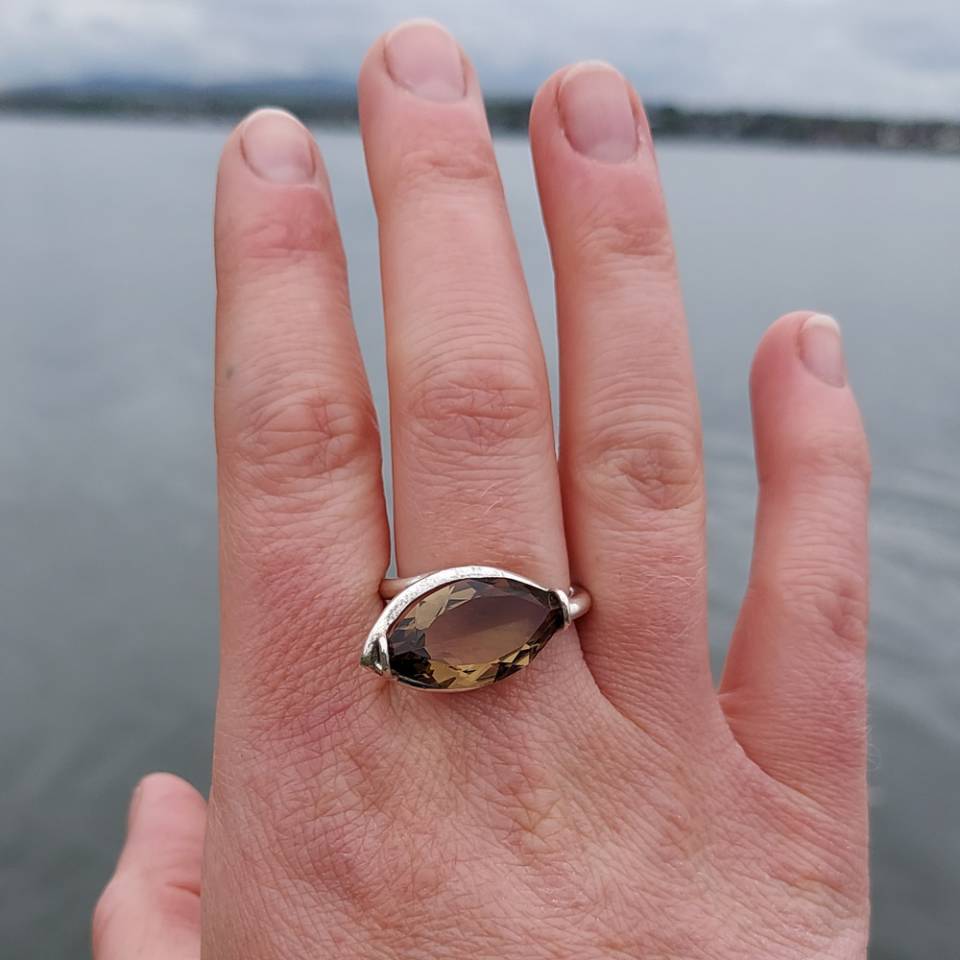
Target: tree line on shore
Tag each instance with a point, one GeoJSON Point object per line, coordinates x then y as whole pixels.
{"type": "Point", "coordinates": [509, 114]}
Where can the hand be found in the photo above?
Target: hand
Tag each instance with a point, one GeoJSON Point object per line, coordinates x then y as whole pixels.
{"type": "Point", "coordinates": [607, 801]}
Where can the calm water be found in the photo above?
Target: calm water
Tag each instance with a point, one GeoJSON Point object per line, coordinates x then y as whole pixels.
{"type": "Point", "coordinates": [107, 567]}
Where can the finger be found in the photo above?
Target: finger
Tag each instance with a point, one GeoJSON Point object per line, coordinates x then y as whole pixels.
{"type": "Point", "coordinates": [475, 477]}
{"type": "Point", "coordinates": [150, 909]}
{"type": "Point", "coordinates": [303, 529]}
{"type": "Point", "coordinates": [630, 455]}
{"type": "Point", "coordinates": [793, 687]}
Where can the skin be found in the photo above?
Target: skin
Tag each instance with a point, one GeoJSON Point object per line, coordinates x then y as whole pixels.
{"type": "Point", "coordinates": [608, 802]}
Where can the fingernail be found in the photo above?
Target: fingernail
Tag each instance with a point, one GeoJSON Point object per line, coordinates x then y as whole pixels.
{"type": "Point", "coordinates": [134, 804]}
{"type": "Point", "coordinates": [597, 114]}
{"type": "Point", "coordinates": [278, 148]}
{"type": "Point", "coordinates": [821, 349]}
{"type": "Point", "coordinates": [423, 57]}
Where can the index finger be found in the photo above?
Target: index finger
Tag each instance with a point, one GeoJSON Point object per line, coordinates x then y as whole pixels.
{"type": "Point", "coordinates": [304, 538]}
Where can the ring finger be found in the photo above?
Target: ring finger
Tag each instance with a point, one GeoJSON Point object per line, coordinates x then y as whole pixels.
{"type": "Point", "coordinates": [474, 462]}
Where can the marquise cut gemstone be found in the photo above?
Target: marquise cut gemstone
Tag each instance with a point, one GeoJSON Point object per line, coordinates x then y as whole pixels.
{"type": "Point", "coordinates": [471, 632]}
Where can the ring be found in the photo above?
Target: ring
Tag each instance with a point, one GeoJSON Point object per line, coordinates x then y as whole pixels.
{"type": "Point", "coordinates": [465, 627]}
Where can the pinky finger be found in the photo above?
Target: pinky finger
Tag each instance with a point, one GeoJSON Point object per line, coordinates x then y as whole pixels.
{"type": "Point", "coordinates": [794, 687]}
{"type": "Point", "coordinates": [150, 909]}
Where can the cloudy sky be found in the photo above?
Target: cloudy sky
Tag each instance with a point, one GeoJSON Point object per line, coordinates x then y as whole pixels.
{"type": "Point", "coordinates": [887, 56]}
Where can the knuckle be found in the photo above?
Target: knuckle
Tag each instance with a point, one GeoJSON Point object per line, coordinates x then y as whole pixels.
{"type": "Point", "coordinates": [622, 232]}
{"type": "Point", "coordinates": [162, 887]}
{"type": "Point", "coordinates": [365, 839]}
{"type": "Point", "coordinates": [842, 454]}
{"type": "Point", "coordinates": [305, 435]}
{"type": "Point", "coordinates": [652, 466]}
{"type": "Point", "coordinates": [295, 228]}
{"type": "Point", "coordinates": [478, 406]}
{"type": "Point", "coordinates": [529, 813]}
{"type": "Point", "coordinates": [841, 607]}
{"type": "Point", "coordinates": [831, 601]}
{"type": "Point", "coordinates": [456, 162]}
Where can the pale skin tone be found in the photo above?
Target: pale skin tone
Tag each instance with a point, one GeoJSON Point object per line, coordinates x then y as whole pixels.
{"type": "Point", "coordinates": [610, 801]}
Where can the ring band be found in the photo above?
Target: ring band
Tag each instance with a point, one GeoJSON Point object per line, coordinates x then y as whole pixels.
{"type": "Point", "coordinates": [465, 627]}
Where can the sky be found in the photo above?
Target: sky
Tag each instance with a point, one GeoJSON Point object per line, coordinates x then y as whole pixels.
{"type": "Point", "coordinates": [874, 56]}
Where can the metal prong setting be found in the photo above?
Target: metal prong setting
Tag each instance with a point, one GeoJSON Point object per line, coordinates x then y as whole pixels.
{"type": "Point", "coordinates": [577, 602]}
{"type": "Point", "coordinates": [374, 654]}
{"type": "Point", "coordinates": [564, 597]}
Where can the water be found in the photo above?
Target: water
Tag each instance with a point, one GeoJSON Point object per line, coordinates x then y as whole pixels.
{"type": "Point", "coordinates": [108, 559]}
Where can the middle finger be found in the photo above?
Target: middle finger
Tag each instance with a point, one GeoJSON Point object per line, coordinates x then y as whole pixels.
{"type": "Point", "coordinates": [474, 463]}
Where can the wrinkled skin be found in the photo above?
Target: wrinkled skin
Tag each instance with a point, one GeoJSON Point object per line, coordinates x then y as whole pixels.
{"type": "Point", "coordinates": [607, 802]}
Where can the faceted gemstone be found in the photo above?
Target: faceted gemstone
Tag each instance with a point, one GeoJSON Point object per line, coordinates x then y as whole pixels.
{"type": "Point", "coordinates": [471, 632]}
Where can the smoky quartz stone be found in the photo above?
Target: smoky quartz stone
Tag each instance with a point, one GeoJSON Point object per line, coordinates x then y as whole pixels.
{"type": "Point", "coordinates": [471, 632]}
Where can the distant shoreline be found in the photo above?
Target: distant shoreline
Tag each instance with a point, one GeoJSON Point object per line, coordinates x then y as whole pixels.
{"type": "Point", "coordinates": [506, 115]}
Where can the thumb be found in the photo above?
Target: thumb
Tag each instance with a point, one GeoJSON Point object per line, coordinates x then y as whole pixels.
{"type": "Point", "coordinates": [150, 909]}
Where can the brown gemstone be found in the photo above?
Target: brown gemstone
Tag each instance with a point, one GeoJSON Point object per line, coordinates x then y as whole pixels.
{"type": "Point", "coordinates": [471, 632]}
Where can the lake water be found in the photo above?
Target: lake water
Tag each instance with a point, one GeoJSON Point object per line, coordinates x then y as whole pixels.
{"type": "Point", "coordinates": [107, 512]}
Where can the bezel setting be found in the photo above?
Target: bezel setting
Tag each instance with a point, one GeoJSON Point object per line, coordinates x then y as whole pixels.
{"type": "Point", "coordinates": [375, 654]}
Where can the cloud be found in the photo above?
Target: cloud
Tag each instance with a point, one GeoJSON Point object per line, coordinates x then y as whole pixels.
{"type": "Point", "coordinates": [907, 42]}
{"type": "Point", "coordinates": [837, 55]}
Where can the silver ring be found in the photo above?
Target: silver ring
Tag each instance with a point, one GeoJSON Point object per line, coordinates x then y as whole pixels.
{"type": "Point", "coordinates": [465, 627]}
